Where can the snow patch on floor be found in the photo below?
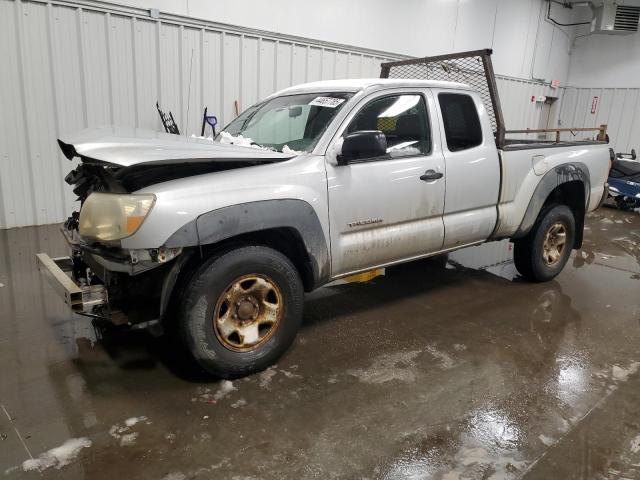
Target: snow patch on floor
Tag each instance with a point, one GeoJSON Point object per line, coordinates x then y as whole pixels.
{"type": "Point", "coordinates": [385, 368]}
{"type": "Point", "coordinates": [122, 431]}
{"type": "Point", "coordinates": [445, 360]}
{"type": "Point", "coordinates": [199, 473]}
{"type": "Point", "coordinates": [635, 444]}
{"type": "Point", "coordinates": [240, 403]}
{"type": "Point", "coordinates": [290, 374]}
{"type": "Point", "coordinates": [479, 463]}
{"type": "Point", "coordinates": [548, 441]}
{"type": "Point", "coordinates": [622, 374]}
{"type": "Point", "coordinates": [226, 387]}
{"type": "Point", "coordinates": [174, 476]}
{"type": "Point", "coordinates": [128, 439]}
{"type": "Point", "coordinates": [267, 376]}
{"type": "Point", "coordinates": [57, 457]}
{"type": "Point", "coordinates": [130, 422]}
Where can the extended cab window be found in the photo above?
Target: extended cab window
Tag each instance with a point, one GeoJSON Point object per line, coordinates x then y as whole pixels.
{"type": "Point", "coordinates": [403, 120]}
{"type": "Point", "coordinates": [461, 123]}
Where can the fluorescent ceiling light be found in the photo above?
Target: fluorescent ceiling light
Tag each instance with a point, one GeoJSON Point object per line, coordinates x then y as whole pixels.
{"type": "Point", "coordinates": [402, 104]}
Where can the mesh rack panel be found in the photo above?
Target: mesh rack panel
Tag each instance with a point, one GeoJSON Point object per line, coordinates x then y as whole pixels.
{"type": "Point", "coordinates": [473, 68]}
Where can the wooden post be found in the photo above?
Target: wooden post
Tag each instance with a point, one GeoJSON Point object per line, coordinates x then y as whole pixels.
{"type": "Point", "coordinates": [557, 136]}
{"type": "Point", "coordinates": [602, 133]}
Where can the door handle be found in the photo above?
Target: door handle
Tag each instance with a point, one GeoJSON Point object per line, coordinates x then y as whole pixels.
{"type": "Point", "coordinates": [430, 175]}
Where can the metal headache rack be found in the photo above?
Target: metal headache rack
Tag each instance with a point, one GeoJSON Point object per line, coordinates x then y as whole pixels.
{"type": "Point", "coordinates": [473, 68]}
{"type": "Point", "coordinates": [476, 70]}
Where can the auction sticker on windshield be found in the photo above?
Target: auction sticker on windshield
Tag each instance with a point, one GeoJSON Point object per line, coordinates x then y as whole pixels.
{"type": "Point", "coordinates": [329, 102]}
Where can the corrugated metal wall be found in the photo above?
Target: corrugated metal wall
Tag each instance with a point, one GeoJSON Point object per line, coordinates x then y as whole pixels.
{"type": "Point", "coordinates": [616, 107]}
{"type": "Point", "coordinates": [71, 65]}
{"type": "Point", "coordinates": [515, 99]}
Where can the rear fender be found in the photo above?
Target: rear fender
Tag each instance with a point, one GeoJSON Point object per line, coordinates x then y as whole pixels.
{"type": "Point", "coordinates": [565, 173]}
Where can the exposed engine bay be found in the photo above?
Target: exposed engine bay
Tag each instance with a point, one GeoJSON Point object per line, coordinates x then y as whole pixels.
{"type": "Point", "coordinates": [97, 176]}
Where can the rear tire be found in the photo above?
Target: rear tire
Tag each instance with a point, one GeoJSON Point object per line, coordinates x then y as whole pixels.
{"type": "Point", "coordinates": [543, 253]}
{"type": "Point", "coordinates": [241, 311]}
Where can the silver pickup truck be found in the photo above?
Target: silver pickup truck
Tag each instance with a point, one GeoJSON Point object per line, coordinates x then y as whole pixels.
{"type": "Point", "coordinates": [218, 239]}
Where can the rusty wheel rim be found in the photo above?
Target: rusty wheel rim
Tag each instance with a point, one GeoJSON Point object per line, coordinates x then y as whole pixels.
{"type": "Point", "coordinates": [248, 312]}
{"type": "Point", "coordinates": [554, 244]}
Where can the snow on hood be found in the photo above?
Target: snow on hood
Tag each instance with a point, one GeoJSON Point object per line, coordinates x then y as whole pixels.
{"type": "Point", "coordinates": [227, 138]}
{"type": "Point", "coordinates": [132, 146]}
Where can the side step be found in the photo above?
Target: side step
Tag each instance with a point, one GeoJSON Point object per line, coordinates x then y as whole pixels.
{"type": "Point", "coordinates": [79, 298]}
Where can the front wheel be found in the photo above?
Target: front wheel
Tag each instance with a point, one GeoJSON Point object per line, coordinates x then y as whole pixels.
{"type": "Point", "coordinates": [241, 311]}
{"type": "Point", "coordinates": [543, 253]}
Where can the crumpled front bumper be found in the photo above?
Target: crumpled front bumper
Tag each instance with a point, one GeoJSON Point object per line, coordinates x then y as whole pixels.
{"type": "Point", "coordinates": [80, 298]}
{"type": "Point", "coordinates": [106, 284]}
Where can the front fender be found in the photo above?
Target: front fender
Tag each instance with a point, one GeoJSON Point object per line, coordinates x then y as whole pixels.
{"type": "Point", "coordinates": [227, 222]}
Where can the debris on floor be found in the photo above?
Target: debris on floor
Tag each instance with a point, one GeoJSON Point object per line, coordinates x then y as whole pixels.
{"type": "Point", "coordinates": [57, 457]}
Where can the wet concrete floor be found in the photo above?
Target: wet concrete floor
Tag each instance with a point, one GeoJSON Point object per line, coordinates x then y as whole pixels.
{"type": "Point", "coordinates": [445, 369]}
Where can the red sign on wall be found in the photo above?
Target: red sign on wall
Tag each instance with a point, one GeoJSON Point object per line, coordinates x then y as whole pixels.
{"type": "Point", "coordinates": [594, 105]}
{"type": "Point", "coordinates": [555, 83]}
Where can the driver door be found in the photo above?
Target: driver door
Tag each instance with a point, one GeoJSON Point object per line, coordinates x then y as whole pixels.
{"type": "Point", "coordinates": [385, 209]}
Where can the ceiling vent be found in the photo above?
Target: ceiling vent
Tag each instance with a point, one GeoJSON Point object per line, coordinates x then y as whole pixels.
{"type": "Point", "coordinates": [615, 19]}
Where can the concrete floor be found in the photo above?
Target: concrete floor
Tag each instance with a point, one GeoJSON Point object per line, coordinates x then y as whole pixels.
{"type": "Point", "coordinates": [444, 371]}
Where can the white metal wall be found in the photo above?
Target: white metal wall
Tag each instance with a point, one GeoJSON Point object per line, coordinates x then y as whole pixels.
{"type": "Point", "coordinates": [515, 99]}
{"type": "Point", "coordinates": [68, 65]}
{"type": "Point", "coordinates": [616, 107]}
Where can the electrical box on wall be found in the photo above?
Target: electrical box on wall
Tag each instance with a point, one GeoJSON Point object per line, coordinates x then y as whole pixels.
{"type": "Point", "coordinates": [614, 19]}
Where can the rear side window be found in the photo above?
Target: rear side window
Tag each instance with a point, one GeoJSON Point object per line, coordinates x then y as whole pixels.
{"type": "Point", "coordinates": [461, 123]}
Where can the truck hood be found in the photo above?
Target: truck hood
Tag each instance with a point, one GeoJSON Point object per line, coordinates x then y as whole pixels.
{"type": "Point", "coordinates": [127, 147]}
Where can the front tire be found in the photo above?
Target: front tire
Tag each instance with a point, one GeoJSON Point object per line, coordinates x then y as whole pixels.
{"type": "Point", "coordinates": [543, 253]}
{"type": "Point", "coordinates": [241, 310]}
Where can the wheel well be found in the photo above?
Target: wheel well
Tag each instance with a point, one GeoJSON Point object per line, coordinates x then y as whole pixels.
{"type": "Point", "coordinates": [285, 240]}
{"type": "Point", "coordinates": [571, 194]}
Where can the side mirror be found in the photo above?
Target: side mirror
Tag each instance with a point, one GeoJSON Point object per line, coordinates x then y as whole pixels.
{"type": "Point", "coordinates": [362, 144]}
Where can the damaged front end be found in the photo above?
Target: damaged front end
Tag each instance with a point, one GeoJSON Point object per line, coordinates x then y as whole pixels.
{"type": "Point", "coordinates": [100, 278]}
{"type": "Point", "coordinates": [123, 287]}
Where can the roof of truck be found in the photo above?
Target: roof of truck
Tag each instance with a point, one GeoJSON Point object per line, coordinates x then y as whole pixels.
{"type": "Point", "coordinates": [357, 84]}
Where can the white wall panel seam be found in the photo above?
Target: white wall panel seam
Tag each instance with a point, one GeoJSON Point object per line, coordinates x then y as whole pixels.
{"type": "Point", "coordinates": [25, 125]}
{"type": "Point", "coordinates": [258, 67]}
{"type": "Point", "coordinates": [108, 43]}
{"type": "Point", "coordinates": [134, 70]}
{"type": "Point", "coordinates": [221, 114]}
{"type": "Point", "coordinates": [54, 100]}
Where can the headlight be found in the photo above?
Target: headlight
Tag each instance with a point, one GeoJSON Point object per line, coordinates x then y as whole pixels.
{"type": "Point", "coordinates": [108, 216]}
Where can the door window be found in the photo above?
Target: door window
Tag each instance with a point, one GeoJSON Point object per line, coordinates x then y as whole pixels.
{"type": "Point", "coordinates": [461, 123]}
{"type": "Point", "coordinates": [403, 120]}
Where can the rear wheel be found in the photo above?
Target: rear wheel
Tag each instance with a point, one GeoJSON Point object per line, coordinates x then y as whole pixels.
{"type": "Point", "coordinates": [543, 253]}
{"type": "Point", "coordinates": [241, 311]}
